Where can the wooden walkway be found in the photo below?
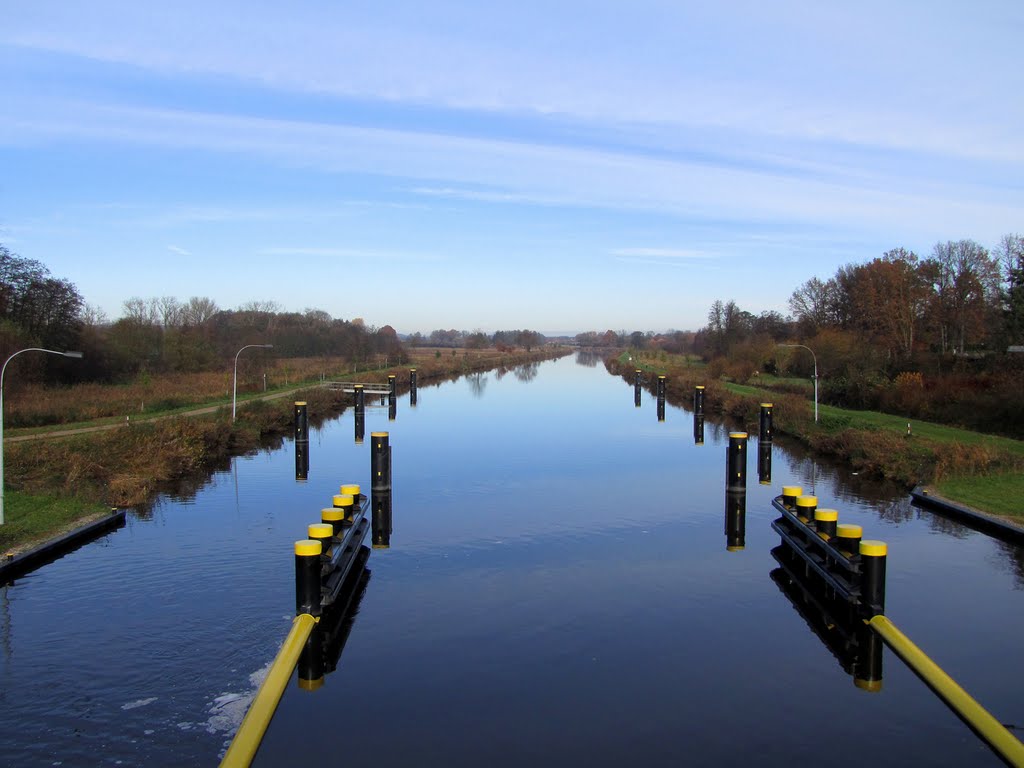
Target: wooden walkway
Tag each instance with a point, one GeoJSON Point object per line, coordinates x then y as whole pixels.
{"type": "Point", "coordinates": [350, 386]}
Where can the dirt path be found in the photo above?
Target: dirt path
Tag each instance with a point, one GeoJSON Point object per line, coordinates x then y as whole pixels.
{"type": "Point", "coordinates": [121, 425]}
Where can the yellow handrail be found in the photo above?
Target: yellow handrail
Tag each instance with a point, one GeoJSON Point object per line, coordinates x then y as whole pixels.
{"type": "Point", "coordinates": [991, 730]}
{"type": "Point", "coordinates": [257, 719]}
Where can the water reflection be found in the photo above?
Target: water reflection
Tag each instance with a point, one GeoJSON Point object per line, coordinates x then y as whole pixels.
{"type": "Point", "coordinates": [588, 358]}
{"type": "Point", "coordinates": [834, 621]}
{"type": "Point", "coordinates": [326, 642]}
{"type": "Point", "coordinates": [301, 461]}
{"type": "Point", "coordinates": [381, 519]}
{"type": "Point", "coordinates": [526, 371]}
{"type": "Point", "coordinates": [764, 463]}
{"type": "Point", "coordinates": [661, 409]}
{"type": "Point", "coordinates": [698, 430]}
{"type": "Point", "coordinates": [359, 424]}
{"type": "Point", "coordinates": [392, 407]}
{"type": "Point", "coordinates": [735, 521]}
{"type": "Point", "coordinates": [477, 384]}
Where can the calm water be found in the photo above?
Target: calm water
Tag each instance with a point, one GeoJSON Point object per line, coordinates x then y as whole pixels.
{"type": "Point", "coordinates": [557, 592]}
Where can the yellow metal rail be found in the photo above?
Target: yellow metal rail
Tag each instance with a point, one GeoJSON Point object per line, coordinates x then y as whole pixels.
{"type": "Point", "coordinates": [257, 719]}
{"type": "Point", "coordinates": [1005, 744]}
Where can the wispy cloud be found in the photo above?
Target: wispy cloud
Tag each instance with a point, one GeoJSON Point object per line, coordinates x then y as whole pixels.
{"type": "Point", "coordinates": [664, 253]}
{"type": "Point", "coordinates": [179, 251]}
{"type": "Point", "coordinates": [369, 254]}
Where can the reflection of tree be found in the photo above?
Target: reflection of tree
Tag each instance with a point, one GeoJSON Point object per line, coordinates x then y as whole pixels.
{"type": "Point", "coordinates": [587, 358]}
{"type": "Point", "coordinates": [1015, 560]}
{"type": "Point", "coordinates": [499, 374]}
{"type": "Point", "coordinates": [477, 383]}
{"type": "Point", "coordinates": [526, 372]}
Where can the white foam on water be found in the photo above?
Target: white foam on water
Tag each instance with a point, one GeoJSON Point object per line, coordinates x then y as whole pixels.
{"type": "Point", "coordinates": [139, 703]}
{"type": "Point", "coordinates": [228, 709]}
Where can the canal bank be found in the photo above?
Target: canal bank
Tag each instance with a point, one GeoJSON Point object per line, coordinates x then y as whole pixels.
{"type": "Point", "coordinates": [873, 444]}
{"type": "Point", "coordinates": [129, 466]}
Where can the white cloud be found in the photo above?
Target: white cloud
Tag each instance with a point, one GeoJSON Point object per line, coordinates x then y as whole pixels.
{"type": "Point", "coordinates": [179, 251]}
{"type": "Point", "coordinates": [665, 253]}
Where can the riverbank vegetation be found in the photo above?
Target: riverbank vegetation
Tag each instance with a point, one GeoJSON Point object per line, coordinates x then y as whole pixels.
{"type": "Point", "coordinates": [871, 443]}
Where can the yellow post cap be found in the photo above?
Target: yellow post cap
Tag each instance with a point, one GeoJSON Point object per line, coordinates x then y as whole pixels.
{"type": "Point", "coordinates": [412, 369]}
{"type": "Point", "coordinates": [332, 514]}
{"type": "Point", "coordinates": [699, 386]}
{"type": "Point", "coordinates": [300, 402]}
{"type": "Point", "coordinates": [734, 549]}
{"type": "Point", "coordinates": [381, 546]}
{"type": "Point", "coordinates": [871, 686]}
{"type": "Point", "coordinates": [826, 515]}
{"type": "Point", "coordinates": [872, 548]}
{"type": "Point", "coordinates": [320, 531]}
{"type": "Point", "coordinates": [342, 500]}
{"type": "Point", "coordinates": [638, 370]}
{"type": "Point", "coordinates": [350, 489]}
{"type": "Point", "coordinates": [308, 548]}
{"type": "Point", "coordinates": [378, 434]}
{"type": "Point", "coordinates": [391, 375]}
{"type": "Point", "coordinates": [767, 405]}
{"type": "Point", "coordinates": [739, 435]}
{"type": "Point", "coordinates": [807, 501]}
{"type": "Point", "coordinates": [849, 531]}
{"type": "Point", "coordinates": [661, 376]}
{"type": "Point", "coordinates": [311, 685]}
{"type": "Point", "coordinates": [792, 490]}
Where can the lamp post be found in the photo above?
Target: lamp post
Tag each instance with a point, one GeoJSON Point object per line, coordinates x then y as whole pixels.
{"type": "Point", "coordinates": [813, 357]}
{"type": "Point", "coordinates": [234, 386]}
{"type": "Point", "coordinates": [2, 371]}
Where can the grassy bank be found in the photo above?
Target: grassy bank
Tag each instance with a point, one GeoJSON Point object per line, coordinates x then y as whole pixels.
{"type": "Point", "coordinates": [59, 482]}
{"type": "Point", "coordinates": [980, 471]}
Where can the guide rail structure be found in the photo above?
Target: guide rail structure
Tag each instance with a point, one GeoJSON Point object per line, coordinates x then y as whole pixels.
{"type": "Point", "coordinates": [852, 570]}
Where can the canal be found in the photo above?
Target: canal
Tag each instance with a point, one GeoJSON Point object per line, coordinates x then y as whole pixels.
{"type": "Point", "coordinates": [557, 591]}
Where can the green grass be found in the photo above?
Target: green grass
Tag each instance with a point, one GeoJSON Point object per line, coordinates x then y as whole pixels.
{"type": "Point", "coordinates": [29, 518]}
{"type": "Point", "coordinates": [831, 417]}
{"type": "Point", "coordinates": [1001, 494]}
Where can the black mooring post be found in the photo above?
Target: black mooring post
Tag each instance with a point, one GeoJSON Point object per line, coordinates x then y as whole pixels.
{"type": "Point", "coordinates": [301, 461]}
{"type": "Point", "coordinates": [380, 462]}
{"type": "Point", "coordinates": [307, 577]}
{"type": "Point", "coordinates": [412, 378]}
{"type": "Point", "coordinates": [872, 563]}
{"type": "Point", "coordinates": [392, 386]}
{"type": "Point", "coordinates": [360, 398]}
{"type": "Point", "coordinates": [735, 521]}
{"type": "Point", "coordinates": [698, 400]}
{"type": "Point", "coordinates": [736, 462]}
{"type": "Point", "coordinates": [698, 430]}
{"type": "Point", "coordinates": [825, 523]}
{"type": "Point", "coordinates": [661, 387]}
{"type": "Point", "coordinates": [638, 378]}
{"type": "Point", "coordinates": [764, 463]}
{"type": "Point", "coordinates": [765, 435]}
{"type": "Point", "coordinates": [848, 536]}
{"type": "Point", "coordinates": [301, 421]}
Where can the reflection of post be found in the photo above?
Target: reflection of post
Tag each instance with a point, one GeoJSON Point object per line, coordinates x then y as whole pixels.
{"type": "Point", "coordinates": [735, 521]}
{"type": "Point", "coordinates": [764, 463]}
{"type": "Point", "coordinates": [637, 387]}
{"type": "Point", "coordinates": [392, 408]}
{"type": "Point", "coordinates": [381, 519]}
{"type": "Point", "coordinates": [698, 430]}
{"type": "Point", "coordinates": [311, 661]}
{"type": "Point", "coordinates": [661, 409]}
{"type": "Point", "coordinates": [412, 397]}
{"type": "Point", "coordinates": [301, 461]}
{"type": "Point", "coordinates": [867, 669]}
{"type": "Point", "coordinates": [360, 425]}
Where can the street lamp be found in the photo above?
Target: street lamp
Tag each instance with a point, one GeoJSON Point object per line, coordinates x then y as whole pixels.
{"type": "Point", "coordinates": [234, 387]}
{"type": "Point", "coordinates": [2, 370]}
{"type": "Point", "coordinates": [803, 346]}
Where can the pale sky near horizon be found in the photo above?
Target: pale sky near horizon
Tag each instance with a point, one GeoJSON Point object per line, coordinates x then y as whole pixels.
{"type": "Point", "coordinates": [563, 166]}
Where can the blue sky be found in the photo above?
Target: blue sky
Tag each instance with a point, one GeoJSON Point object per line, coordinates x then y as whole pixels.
{"type": "Point", "coordinates": [563, 166]}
